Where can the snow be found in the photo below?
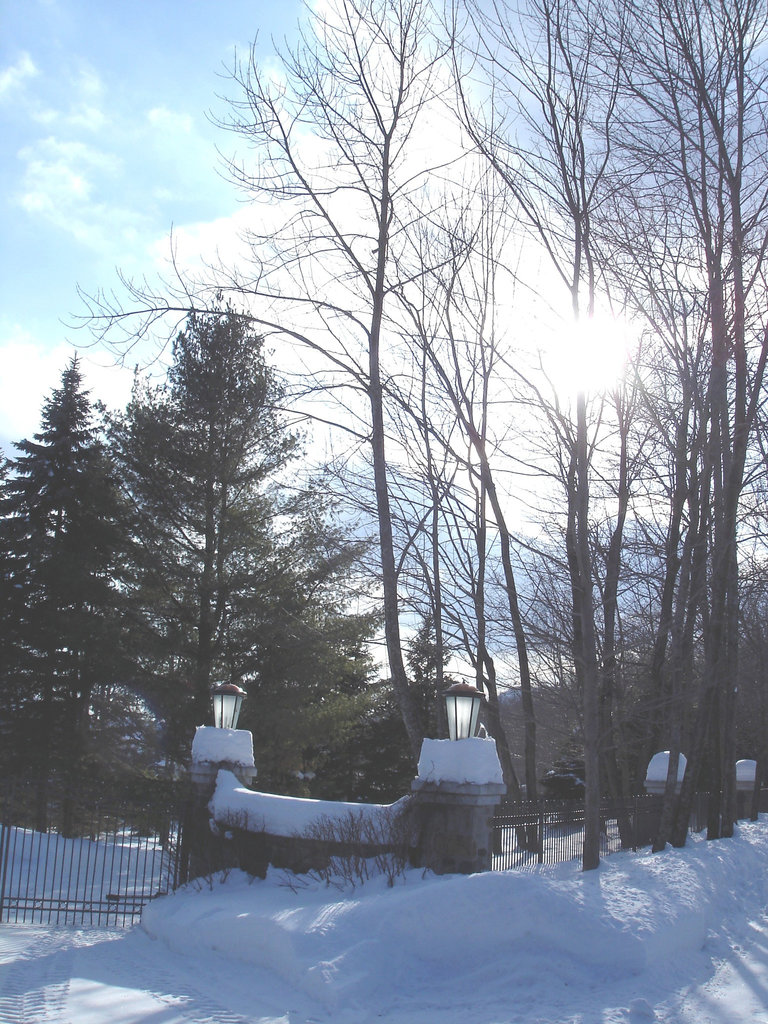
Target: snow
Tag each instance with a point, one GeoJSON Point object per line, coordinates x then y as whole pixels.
{"type": "Point", "coordinates": [673, 938]}
{"type": "Point", "coordinates": [214, 746]}
{"type": "Point", "coordinates": [234, 804]}
{"type": "Point", "coordinates": [462, 761]}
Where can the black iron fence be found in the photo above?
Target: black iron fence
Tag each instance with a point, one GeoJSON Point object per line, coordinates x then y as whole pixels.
{"type": "Point", "coordinates": [552, 831]}
{"type": "Point", "coordinates": [102, 869]}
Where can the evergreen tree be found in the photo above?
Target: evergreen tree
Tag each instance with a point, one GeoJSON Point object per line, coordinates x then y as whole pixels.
{"type": "Point", "coordinates": [374, 763]}
{"type": "Point", "coordinates": [238, 575]}
{"type": "Point", "coordinates": [61, 546]}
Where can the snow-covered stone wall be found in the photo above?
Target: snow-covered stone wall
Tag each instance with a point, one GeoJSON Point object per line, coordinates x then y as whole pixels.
{"type": "Point", "coordinates": [453, 796]}
{"type": "Point", "coordinates": [233, 804]}
{"type": "Point", "coordinates": [254, 830]}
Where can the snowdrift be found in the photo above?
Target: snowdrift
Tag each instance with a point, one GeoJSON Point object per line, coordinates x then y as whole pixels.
{"type": "Point", "coordinates": [439, 938]}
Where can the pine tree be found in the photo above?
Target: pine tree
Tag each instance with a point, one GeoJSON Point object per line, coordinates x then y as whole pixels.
{"type": "Point", "coordinates": [61, 545]}
{"type": "Point", "coordinates": [239, 576]}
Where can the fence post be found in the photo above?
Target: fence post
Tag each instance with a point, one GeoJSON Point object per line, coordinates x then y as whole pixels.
{"type": "Point", "coordinates": [3, 864]}
{"type": "Point", "coordinates": [6, 817]}
{"type": "Point", "coordinates": [540, 855]}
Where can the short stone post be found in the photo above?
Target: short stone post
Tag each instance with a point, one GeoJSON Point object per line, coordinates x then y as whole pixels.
{"type": "Point", "coordinates": [212, 750]}
{"type": "Point", "coordinates": [455, 795]}
{"type": "Point", "coordinates": [746, 774]}
{"type": "Point", "coordinates": [657, 771]}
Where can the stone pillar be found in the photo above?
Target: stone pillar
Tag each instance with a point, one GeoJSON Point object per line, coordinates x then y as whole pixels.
{"type": "Point", "coordinates": [455, 795]}
{"type": "Point", "coordinates": [212, 750]}
{"type": "Point", "coordinates": [746, 772]}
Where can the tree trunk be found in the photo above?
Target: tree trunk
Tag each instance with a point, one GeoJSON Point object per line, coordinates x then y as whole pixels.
{"type": "Point", "coordinates": [411, 718]}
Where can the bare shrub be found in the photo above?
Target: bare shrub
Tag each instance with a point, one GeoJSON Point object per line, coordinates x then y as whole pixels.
{"type": "Point", "coordinates": [361, 846]}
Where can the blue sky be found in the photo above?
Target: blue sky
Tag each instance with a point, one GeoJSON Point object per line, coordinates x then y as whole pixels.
{"type": "Point", "coordinates": [106, 145]}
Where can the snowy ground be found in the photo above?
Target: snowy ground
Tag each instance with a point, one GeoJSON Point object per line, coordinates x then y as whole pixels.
{"type": "Point", "coordinates": [678, 938]}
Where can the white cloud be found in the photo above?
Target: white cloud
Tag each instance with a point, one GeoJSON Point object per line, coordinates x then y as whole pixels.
{"type": "Point", "coordinates": [15, 75]}
{"type": "Point", "coordinates": [45, 116]}
{"type": "Point", "coordinates": [63, 182]}
{"type": "Point", "coordinates": [89, 84]}
{"type": "Point", "coordinates": [29, 374]}
{"type": "Point", "coordinates": [85, 111]}
{"type": "Point", "coordinates": [90, 118]}
{"type": "Point", "coordinates": [31, 371]}
{"type": "Point", "coordinates": [195, 246]}
{"type": "Point", "coordinates": [83, 89]}
{"type": "Point", "coordinates": [60, 167]}
{"type": "Point", "coordinates": [170, 121]}
{"type": "Point", "coordinates": [108, 382]}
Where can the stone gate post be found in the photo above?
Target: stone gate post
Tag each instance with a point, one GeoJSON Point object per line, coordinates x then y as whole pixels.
{"type": "Point", "coordinates": [213, 749]}
{"type": "Point", "coordinates": [455, 794]}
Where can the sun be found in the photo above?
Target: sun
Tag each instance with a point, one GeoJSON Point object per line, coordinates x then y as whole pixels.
{"type": "Point", "coordinates": [588, 356]}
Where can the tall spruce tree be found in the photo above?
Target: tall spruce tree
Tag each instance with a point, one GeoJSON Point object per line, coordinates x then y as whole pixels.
{"type": "Point", "coordinates": [239, 576]}
{"type": "Point", "coordinates": [61, 546]}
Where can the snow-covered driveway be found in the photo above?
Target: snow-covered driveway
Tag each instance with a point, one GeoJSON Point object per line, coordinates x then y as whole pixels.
{"type": "Point", "coordinates": [94, 976]}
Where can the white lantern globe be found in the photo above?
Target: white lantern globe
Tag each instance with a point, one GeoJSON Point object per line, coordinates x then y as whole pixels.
{"type": "Point", "coordinates": [226, 702]}
{"type": "Point", "coordinates": [462, 704]}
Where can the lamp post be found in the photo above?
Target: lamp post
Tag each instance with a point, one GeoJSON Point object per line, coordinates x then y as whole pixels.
{"type": "Point", "coordinates": [462, 703]}
{"type": "Point", "coordinates": [226, 701]}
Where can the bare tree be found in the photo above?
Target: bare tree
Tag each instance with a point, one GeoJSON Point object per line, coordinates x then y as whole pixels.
{"type": "Point", "coordinates": [694, 138]}
{"type": "Point", "coordinates": [552, 154]}
{"type": "Point", "coordinates": [455, 326]}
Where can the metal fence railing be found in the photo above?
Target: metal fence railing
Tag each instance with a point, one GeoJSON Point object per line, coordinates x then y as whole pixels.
{"type": "Point", "coordinates": [552, 831]}
{"type": "Point", "coordinates": [102, 873]}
